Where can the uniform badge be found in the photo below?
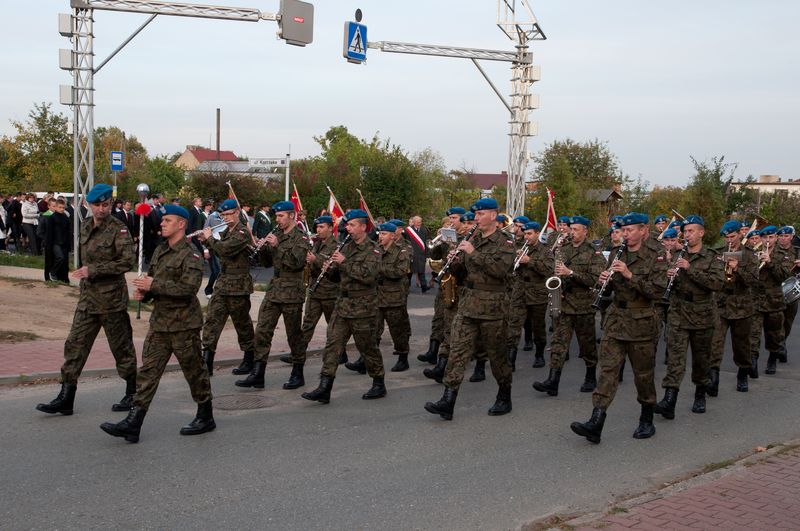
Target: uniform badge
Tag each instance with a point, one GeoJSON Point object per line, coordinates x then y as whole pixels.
{"type": "Point", "coordinates": [123, 231]}
{"type": "Point", "coordinates": [197, 256]}
{"type": "Point", "coordinates": [660, 259]}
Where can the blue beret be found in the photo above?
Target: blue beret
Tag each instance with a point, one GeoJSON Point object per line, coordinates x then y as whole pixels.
{"type": "Point", "coordinates": [768, 230]}
{"type": "Point", "coordinates": [387, 227]}
{"type": "Point", "coordinates": [669, 234]}
{"type": "Point", "coordinates": [694, 219]}
{"type": "Point", "coordinates": [745, 223]}
{"type": "Point", "coordinates": [677, 223]}
{"type": "Point", "coordinates": [616, 219]}
{"type": "Point", "coordinates": [487, 203]}
{"type": "Point", "coordinates": [786, 229]}
{"type": "Point", "coordinates": [501, 218]}
{"type": "Point", "coordinates": [456, 210]}
{"type": "Point", "coordinates": [729, 227]}
{"type": "Point", "coordinates": [580, 220]}
{"type": "Point", "coordinates": [175, 210]}
{"type": "Point", "coordinates": [533, 225]}
{"type": "Point", "coordinates": [614, 226]}
{"type": "Point", "coordinates": [522, 219]}
{"type": "Point", "coordinates": [283, 206]}
{"type": "Point", "coordinates": [564, 219]}
{"type": "Point", "coordinates": [633, 218]}
{"type": "Point", "coordinates": [324, 219]}
{"type": "Point", "coordinates": [468, 216]}
{"type": "Point", "coordinates": [228, 204]}
{"type": "Point", "coordinates": [356, 213]}
{"type": "Point", "coordinates": [660, 218]}
{"type": "Point", "coordinates": [98, 193]}
{"type": "Point", "coordinates": [753, 233]}
{"type": "Point", "coordinates": [399, 223]}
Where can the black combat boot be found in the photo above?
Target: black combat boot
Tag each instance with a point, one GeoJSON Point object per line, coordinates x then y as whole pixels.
{"type": "Point", "coordinates": [436, 373]}
{"type": "Point", "coordinates": [772, 364]}
{"type": "Point", "coordinates": [527, 333]}
{"type": "Point", "coordinates": [432, 354]}
{"type": "Point", "coordinates": [646, 428]}
{"type": "Point", "coordinates": [713, 382]}
{"type": "Point", "coordinates": [479, 374]}
{"type": "Point", "coordinates": [202, 422]}
{"type": "Point", "coordinates": [666, 408]}
{"type": "Point", "coordinates": [208, 359]}
{"type": "Point", "coordinates": [754, 368]}
{"type": "Point", "coordinates": [256, 376]}
{"type": "Point", "coordinates": [699, 405]}
{"type": "Point", "coordinates": [357, 366]}
{"type": "Point", "coordinates": [741, 380]}
{"type": "Point", "coordinates": [322, 393]}
{"type": "Point", "coordinates": [246, 365]}
{"type": "Point", "coordinates": [549, 386]}
{"type": "Point", "coordinates": [296, 378]}
{"type": "Point", "coordinates": [590, 381]}
{"type": "Point", "coordinates": [592, 428]}
{"type": "Point", "coordinates": [444, 407]}
{"type": "Point", "coordinates": [783, 356]}
{"type": "Point", "coordinates": [129, 427]}
{"type": "Point", "coordinates": [502, 404]}
{"type": "Point", "coordinates": [127, 401]}
{"type": "Point", "coordinates": [61, 403]}
{"type": "Point", "coordinates": [528, 345]}
{"type": "Point", "coordinates": [286, 358]}
{"type": "Point", "coordinates": [402, 362]}
{"type": "Point", "coordinates": [343, 357]}
{"type": "Point", "coordinates": [538, 360]}
{"type": "Point", "coordinates": [378, 390]}
{"type": "Point", "coordinates": [512, 357]}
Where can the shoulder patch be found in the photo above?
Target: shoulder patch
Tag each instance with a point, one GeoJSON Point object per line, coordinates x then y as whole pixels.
{"type": "Point", "coordinates": [660, 259]}
{"type": "Point", "coordinates": [196, 256]}
{"type": "Point", "coordinates": [376, 251]}
{"type": "Point", "coordinates": [241, 231]}
{"type": "Point", "coordinates": [123, 231]}
{"type": "Point", "coordinates": [510, 242]}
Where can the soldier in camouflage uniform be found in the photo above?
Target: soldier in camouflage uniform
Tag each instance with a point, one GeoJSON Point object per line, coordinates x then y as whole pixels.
{"type": "Point", "coordinates": [579, 267]}
{"type": "Point", "coordinates": [172, 282]}
{"type": "Point", "coordinates": [487, 259]}
{"type": "Point", "coordinates": [516, 292]}
{"type": "Point", "coordinates": [106, 252]}
{"type": "Point", "coordinates": [751, 241]}
{"type": "Point", "coordinates": [637, 278]}
{"type": "Point", "coordinates": [736, 308]}
{"type": "Point", "coordinates": [692, 317]}
{"type": "Point", "coordinates": [288, 250]}
{"type": "Point", "coordinates": [534, 269]}
{"type": "Point", "coordinates": [355, 311]}
{"type": "Point", "coordinates": [232, 288]}
{"type": "Point", "coordinates": [671, 245]}
{"type": "Point", "coordinates": [785, 237]}
{"type": "Point", "coordinates": [771, 304]}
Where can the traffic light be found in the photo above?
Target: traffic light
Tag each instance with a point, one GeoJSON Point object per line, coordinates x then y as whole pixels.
{"type": "Point", "coordinates": [297, 22]}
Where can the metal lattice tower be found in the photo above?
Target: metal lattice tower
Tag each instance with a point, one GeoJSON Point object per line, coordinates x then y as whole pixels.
{"type": "Point", "coordinates": [83, 110]}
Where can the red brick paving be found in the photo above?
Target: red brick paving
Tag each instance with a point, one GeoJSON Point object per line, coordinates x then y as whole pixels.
{"type": "Point", "coordinates": [765, 495]}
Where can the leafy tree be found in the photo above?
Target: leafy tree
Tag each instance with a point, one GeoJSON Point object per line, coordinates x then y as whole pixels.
{"type": "Point", "coordinates": [706, 193]}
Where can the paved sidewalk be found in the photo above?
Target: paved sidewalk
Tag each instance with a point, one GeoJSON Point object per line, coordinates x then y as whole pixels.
{"type": "Point", "coordinates": [758, 492]}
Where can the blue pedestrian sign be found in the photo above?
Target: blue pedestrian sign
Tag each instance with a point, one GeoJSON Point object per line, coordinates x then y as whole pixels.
{"type": "Point", "coordinates": [355, 42]}
{"type": "Point", "coordinates": [117, 160]}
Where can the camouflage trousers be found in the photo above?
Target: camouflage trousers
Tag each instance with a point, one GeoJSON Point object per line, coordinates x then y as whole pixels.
{"type": "Point", "coordinates": [740, 342]}
{"type": "Point", "coordinates": [678, 342]}
{"type": "Point", "coordinates": [438, 326]}
{"type": "Point", "coordinates": [536, 314]}
{"type": "Point", "coordinates": [158, 347]}
{"type": "Point", "coordinates": [642, 356]}
{"type": "Point", "coordinates": [84, 330]}
{"type": "Point", "coordinates": [219, 308]}
{"type": "Point", "coordinates": [268, 315]}
{"type": "Point", "coordinates": [584, 328]}
{"type": "Point", "coordinates": [788, 320]}
{"type": "Point", "coordinates": [315, 308]}
{"type": "Point", "coordinates": [339, 331]}
{"type": "Point", "coordinates": [772, 323]}
{"type": "Point", "coordinates": [396, 317]}
{"type": "Point", "coordinates": [466, 336]}
{"type": "Point", "coordinates": [755, 334]}
{"type": "Point", "coordinates": [515, 314]}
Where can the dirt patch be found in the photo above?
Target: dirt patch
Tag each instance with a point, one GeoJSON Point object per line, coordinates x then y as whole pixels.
{"type": "Point", "coordinates": [10, 336]}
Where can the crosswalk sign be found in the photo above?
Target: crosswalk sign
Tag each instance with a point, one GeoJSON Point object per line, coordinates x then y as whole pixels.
{"type": "Point", "coordinates": [355, 42]}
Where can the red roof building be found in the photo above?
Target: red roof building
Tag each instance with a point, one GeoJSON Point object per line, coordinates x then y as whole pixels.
{"type": "Point", "coordinates": [195, 155]}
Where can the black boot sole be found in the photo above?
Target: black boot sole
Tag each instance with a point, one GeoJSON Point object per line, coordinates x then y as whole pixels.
{"type": "Point", "coordinates": [65, 412]}
{"type": "Point", "coordinates": [588, 388]}
{"type": "Point", "coordinates": [238, 371]}
{"type": "Point", "coordinates": [320, 399]}
{"type": "Point", "coordinates": [205, 429]}
{"type": "Point", "coordinates": [667, 414]}
{"type": "Point", "coordinates": [578, 429]}
{"type": "Point", "coordinates": [296, 385]}
{"type": "Point", "coordinates": [539, 386]}
{"type": "Point", "coordinates": [538, 364]}
{"type": "Point", "coordinates": [430, 407]}
{"type": "Point", "coordinates": [399, 367]}
{"type": "Point", "coordinates": [642, 434]}
{"type": "Point", "coordinates": [498, 412]}
{"type": "Point", "coordinates": [255, 385]}
{"type": "Point", "coordinates": [111, 430]}
{"type": "Point", "coordinates": [367, 396]}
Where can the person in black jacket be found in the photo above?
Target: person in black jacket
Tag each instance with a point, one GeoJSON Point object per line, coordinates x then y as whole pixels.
{"type": "Point", "coordinates": [57, 242]}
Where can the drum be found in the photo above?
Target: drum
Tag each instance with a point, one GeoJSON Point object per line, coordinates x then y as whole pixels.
{"type": "Point", "coordinates": [791, 289]}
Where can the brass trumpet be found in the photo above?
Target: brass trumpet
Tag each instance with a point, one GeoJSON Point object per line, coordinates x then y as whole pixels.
{"type": "Point", "coordinates": [762, 254]}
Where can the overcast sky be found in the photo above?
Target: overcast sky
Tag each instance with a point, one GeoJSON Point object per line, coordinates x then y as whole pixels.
{"type": "Point", "coordinates": [659, 81]}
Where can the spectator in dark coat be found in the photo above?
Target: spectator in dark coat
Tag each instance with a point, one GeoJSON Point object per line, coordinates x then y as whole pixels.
{"type": "Point", "coordinates": [420, 252]}
{"type": "Point", "coordinates": [57, 242]}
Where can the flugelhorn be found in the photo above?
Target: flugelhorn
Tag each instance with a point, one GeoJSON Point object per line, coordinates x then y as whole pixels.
{"type": "Point", "coordinates": [216, 230]}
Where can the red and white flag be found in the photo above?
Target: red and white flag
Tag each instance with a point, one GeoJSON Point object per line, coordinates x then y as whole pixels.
{"type": "Point", "coordinates": [551, 224]}
{"type": "Point", "coordinates": [336, 210]}
{"type": "Point", "coordinates": [298, 207]}
{"type": "Point", "coordinates": [362, 204]}
{"type": "Point", "coordinates": [415, 237]}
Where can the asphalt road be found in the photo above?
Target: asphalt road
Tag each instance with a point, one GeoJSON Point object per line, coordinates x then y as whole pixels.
{"type": "Point", "coordinates": [356, 464]}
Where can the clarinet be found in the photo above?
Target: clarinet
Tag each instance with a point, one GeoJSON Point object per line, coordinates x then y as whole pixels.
{"type": "Point", "coordinates": [327, 265]}
{"type": "Point", "coordinates": [667, 291]}
{"type": "Point", "coordinates": [454, 255]}
{"type": "Point", "coordinates": [601, 293]}
{"type": "Point", "coordinates": [255, 249]}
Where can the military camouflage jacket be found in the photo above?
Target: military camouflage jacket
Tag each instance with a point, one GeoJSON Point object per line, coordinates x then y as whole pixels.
{"type": "Point", "coordinates": [234, 256]}
{"type": "Point", "coordinates": [288, 262]}
{"type": "Point", "coordinates": [533, 275]}
{"type": "Point", "coordinates": [107, 252]}
{"type": "Point", "coordinates": [487, 268]}
{"type": "Point", "coordinates": [586, 265]}
{"type": "Point", "coordinates": [177, 274]}
{"type": "Point", "coordinates": [770, 279]}
{"type": "Point", "coordinates": [329, 285]}
{"type": "Point", "coordinates": [631, 316]}
{"type": "Point", "coordinates": [393, 268]}
{"type": "Point", "coordinates": [692, 301]}
{"type": "Point", "coordinates": [735, 300]}
{"type": "Point", "coordinates": [359, 273]}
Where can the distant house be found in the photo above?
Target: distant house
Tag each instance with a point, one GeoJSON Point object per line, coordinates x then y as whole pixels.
{"type": "Point", "coordinates": [487, 181]}
{"type": "Point", "coordinates": [191, 159]}
{"type": "Point", "coordinates": [609, 199]}
{"type": "Point", "coordinates": [769, 184]}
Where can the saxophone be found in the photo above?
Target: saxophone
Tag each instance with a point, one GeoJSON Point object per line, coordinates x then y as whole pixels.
{"type": "Point", "coordinates": [553, 284]}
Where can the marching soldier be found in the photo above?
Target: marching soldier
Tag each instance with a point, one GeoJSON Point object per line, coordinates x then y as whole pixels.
{"type": "Point", "coordinates": [172, 282]}
{"type": "Point", "coordinates": [578, 266]}
{"type": "Point", "coordinates": [659, 226]}
{"type": "Point", "coordinates": [785, 237]}
{"type": "Point", "coordinates": [487, 259]}
{"type": "Point", "coordinates": [752, 241]}
{"type": "Point", "coordinates": [284, 296]}
{"type": "Point", "coordinates": [106, 251]}
{"type": "Point", "coordinates": [393, 268]}
{"type": "Point", "coordinates": [355, 311]}
{"type": "Point", "coordinates": [692, 317]}
{"type": "Point", "coordinates": [232, 289]}
{"type": "Point", "coordinates": [534, 269]}
{"type": "Point", "coordinates": [670, 245]}
{"type": "Point", "coordinates": [635, 280]}
{"type": "Point", "coordinates": [515, 319]}
{"type": "Point", "coordinates": [736, 309]}
{"type": "Point", "coordinates": [774, 268]}
{"type": "Point", "coordinates": [527, 325]}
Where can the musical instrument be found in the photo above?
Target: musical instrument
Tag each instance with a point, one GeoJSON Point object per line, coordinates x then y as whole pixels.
{"type": "Point", "coordinates": [453, 256]}
{"type": "Point", "coordinates": [728, 267]}
{"type": "Point", "coordinates": [259, 244]}
{"type": "Point", "coordinates": [761, 256]}
{"type": "Point", "coordinates": [671, 282]}
{"type": "Point", "coordinates": [522, 252]}
{"type": "Point", "coordinates": [756, 220]}
{"type": "Point", "coordinates": [553, 284]}
{"type": "Point", "coordinates": [327, 264]}
{"type": "Point", "coordinates": [602, 302]}
{"type": "Point", "coordinates": [216, 230]}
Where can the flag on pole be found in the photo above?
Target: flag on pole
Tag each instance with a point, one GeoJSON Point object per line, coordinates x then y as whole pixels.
{"type": "Point", "coordinates": [336, 210]}
{"type": "Point", "coordinates": [298, 207]}
{"type": "Point", "coordinates": [551, 224]}
{"type": "Point", "coordinates": [362, 204]}
{"type": "Point", "coordinates": [242, 216]}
